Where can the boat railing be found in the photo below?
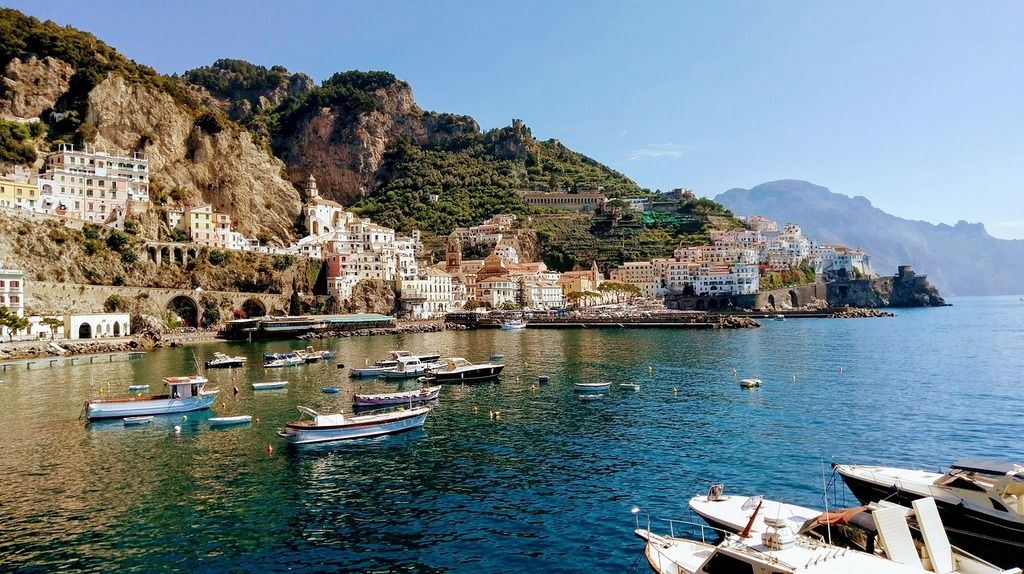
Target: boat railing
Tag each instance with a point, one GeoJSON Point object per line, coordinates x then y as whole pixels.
{"type": "Point", "coordinates": [397, 408]}
{"type": "Point", "coordinates": [693, 530]}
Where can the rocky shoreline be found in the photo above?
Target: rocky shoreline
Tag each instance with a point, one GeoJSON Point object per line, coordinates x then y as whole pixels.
{"type": "Point", "coordinates": [400, 329]}
{"type": "Point", "coordinates": [858, 312]}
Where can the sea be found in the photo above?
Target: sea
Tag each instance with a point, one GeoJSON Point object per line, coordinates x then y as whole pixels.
{"type": "Point", "coordinates": [551, 484]}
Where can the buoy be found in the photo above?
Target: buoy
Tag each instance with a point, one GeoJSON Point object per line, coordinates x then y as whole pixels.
{"type": "Point", "coordinates": [533, 387]}
{"type": "Point", "coordinates": [177, 429]}
{"type": "Point", "coordinates": [517, 379]}
{"type": "Point", "coordinates": [794, 378]}
{"type": "Point", "coordinates": [840, 370]}
{"type": "Point", "coordinates": [650, 370]}
{"type": "Point", "coordinates": [476, 410]}
{"type": "Point", "coordinates": [236, 390]}
{"type": "Point", "coordinates": [270, 449]}
{"type": "Point", "coordinates": [257, 420]}
{"type": "Point", "coordinates": [734, 372]}
{"type": "Point", "coordinates": [184, 417]}
{"type": "Point", "coordinates": [674, 390]}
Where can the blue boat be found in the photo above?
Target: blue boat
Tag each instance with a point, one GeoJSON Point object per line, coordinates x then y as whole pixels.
{"type": "Point", "coordinates": [330, 390]}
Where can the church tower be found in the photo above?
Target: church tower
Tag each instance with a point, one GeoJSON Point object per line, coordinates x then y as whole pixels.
{"type": "Point", "coordinates": [311, 191]}
{"type": "Point", "coordinates": [453, 257]}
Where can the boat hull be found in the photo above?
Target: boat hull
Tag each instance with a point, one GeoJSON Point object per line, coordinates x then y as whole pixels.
{"type": "Point", "coordinates": [996, 539]}
{"type": "Point", "coordinates": [470, 376]}
{"type": "Point", "coordinates": [229, 421]}
{"type": "Point", "coordinates": [396, 398]}
{"type": "Point", "coordinates": [224, 364]}
{"type": "Point", "coordinates": [113, 409]}
{"type": "Point", "coordinates": [312, 435]}
{"type": "Point", "coordinates": [591, 388]}
{"type": "Point", "coordinates": [268, 386]}
{"type": "Point", "coordinates": [370, 371]}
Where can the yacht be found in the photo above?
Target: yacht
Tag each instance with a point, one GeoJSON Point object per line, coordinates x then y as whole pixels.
{"type": "Point", "coordinates": [981, 502]}
{"type": "Point", "coordinates": [459, 370]}
{"type": "Point", "coordinates": [222, 361]}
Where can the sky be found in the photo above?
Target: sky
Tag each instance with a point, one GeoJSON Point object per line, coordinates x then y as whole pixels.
{"type": "Point", "coordinates": [915, 105]}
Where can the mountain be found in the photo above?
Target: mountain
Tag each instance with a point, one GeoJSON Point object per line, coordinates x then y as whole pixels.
{"type": "Point", "coordinates": [959, 260]}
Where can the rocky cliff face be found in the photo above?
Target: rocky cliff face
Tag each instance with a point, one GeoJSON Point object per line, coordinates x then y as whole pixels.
{"type": "Point", "coordinates": [903, 290]}
{"type": "Point", "coordinates": [32, 86]}
{"type": "Point", "coordinates": [225, 169]}
{"type": "Point", "coordinates": [344, 151]}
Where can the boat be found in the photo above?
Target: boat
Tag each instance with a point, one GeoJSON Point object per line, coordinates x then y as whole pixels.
{"type": "Point", "coordinates": [497, 356]}
{"type": "Point", "coordinates": [138, 388]}
{"type": "Point", "coordinates": [389, 364]}
{"type": "Point", "coordinates": [733, 513]}
{"type": "Point", "coordinates": [513, 325]}
{"type": "Point", "coordinates": [779, 317]}
{"type": "Point", "coordinates": [229, 421]}
{"type": "Point", "coordinates": [184, 394]}
{"type": "Point", "coordinates": [409, 367]}
{"type": "Point", "coordinates": [981, 502]}
{"type": "Point", "coordinates": [591, 387]}
{"type": "Point", "coordinates": [399, 398]}
{"type": "Point", "coordinates": [631, 386]}
{"type": "Point", "coordinates": [308, 355]}
{"type": "Point", "coordinates": [269, 385]}
{"type": "Point", "coordinates": [750, 383]}
{"type": "Point", "coordinates": [543, 379]}
{"type": "Point", "coordinates": [594, 397]}
{"type": "Point", "coordinates": [774, 544]}
{"type": "Point", "coordinates": [330, 390]}
{"type": "Point", "coordinates": [325, 428]}
{"type": "Point", "coordinates": [274, 360]}
{"type": "Point", "coordinates": [222, 361]}
{"type": "Point", "coordinates": [131, 421]}
{"type": "Point", "coordinates": [459, 370]}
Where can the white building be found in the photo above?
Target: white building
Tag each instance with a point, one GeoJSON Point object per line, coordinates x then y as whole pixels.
{"type": "Point", "coordinates": [12, 290]}
{"type": "Point", "coordinates": [97, 325]}
{"type": "Point", "coordinates": [92, 185]}
{"type": "Point", "coordinates": [429, 295]}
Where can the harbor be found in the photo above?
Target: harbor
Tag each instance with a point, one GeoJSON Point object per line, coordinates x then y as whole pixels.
{"type": "Point", "coordinates": [549, 477]}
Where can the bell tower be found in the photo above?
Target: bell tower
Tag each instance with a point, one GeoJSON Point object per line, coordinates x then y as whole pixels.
{"type": "Point", "coordinates": [453, 256]}
{"type": "Point", "coordinates": [311, 191]}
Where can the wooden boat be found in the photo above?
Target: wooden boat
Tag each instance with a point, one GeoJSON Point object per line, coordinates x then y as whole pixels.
{"type": "Point", "coordinates": [330, 390]}
{"type": "Point", "coordinates": [459, 370]}
{"type": "Point", "coordinates": [773, 545]}
{"type": "Point", "coordinates": [269, 385]}
{"type": "Point", "coordinates": [228, 421]}
{"type": "Point", "coordinates": [184, 394]}
{"type": "Point", "coordinates": [399, 398]}
{"type": "Point", "coordinates": [591, 387]}
{"type": "Point", "coordinates": [750, 383]}
{"type": "Point", "coordinates": [222, 361]}
{"type": "Point", "coordinates": [326, 428]}
{"type": "Point", "coordinates": [131, 421]}
{"type": "Point", "coordinates": [981, 502]}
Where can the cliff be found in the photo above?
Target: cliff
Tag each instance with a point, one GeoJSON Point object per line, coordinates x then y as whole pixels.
{"type": "Point", "coordinates": [906, 289]}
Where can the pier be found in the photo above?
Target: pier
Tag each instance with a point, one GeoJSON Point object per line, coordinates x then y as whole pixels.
{"type": "Point", "coordinates": [50, 362]}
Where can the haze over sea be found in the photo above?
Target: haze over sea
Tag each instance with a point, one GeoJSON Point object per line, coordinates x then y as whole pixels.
{"type": "Point", "coordinates": [546, 487]}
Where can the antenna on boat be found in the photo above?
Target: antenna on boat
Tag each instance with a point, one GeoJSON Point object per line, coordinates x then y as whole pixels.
{"type": "Point", "coordinates": [750, 523]}
{"type": "Point", "coordinates": [824, 495]}
{"type": "Point", "coordinates": [195, 363]}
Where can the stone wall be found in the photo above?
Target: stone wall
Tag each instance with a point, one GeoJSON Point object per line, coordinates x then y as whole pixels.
{"type": "Point", "coordinates": [788, 298]}
{"type": "Point", "coordinates": [906, 289]}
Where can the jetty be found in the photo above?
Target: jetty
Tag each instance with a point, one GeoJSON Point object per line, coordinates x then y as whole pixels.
{"type": "Point", "coordinates": [675, 320]}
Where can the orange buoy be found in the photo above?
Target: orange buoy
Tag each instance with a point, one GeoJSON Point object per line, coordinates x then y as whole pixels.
{"type": "Point", "coordinates": [270, 449]}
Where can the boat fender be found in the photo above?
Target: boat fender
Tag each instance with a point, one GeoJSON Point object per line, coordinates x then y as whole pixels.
{"type": "Point", "coordinates": [236, 390]}
{"type": "Point", "coordinates": [177, 429]}
{"type": "Point", "coordinates": [270, 449]}
{"type": "Point", "coordinates": [674, 390]}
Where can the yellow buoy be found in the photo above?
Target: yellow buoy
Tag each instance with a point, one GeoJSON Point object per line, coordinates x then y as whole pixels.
{"type": "Point", "coordinates": [674, 390]}
{"type": "Point", "coordinates": [650, 370]}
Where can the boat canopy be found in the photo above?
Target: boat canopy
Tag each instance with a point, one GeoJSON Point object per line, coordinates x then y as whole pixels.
{"type": "Point", "coordinates": [193, 380]}
{"type": "Point", "coordinates": [987, 466]}
{"type": "Point", "coordinates": [329, 420]}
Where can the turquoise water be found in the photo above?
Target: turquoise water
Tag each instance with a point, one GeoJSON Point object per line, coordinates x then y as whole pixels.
{"type": "Point", "coordinates": [548, 486]}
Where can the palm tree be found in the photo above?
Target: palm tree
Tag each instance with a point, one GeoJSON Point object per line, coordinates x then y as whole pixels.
{"type": "Point", "coordinates": [52, 323]}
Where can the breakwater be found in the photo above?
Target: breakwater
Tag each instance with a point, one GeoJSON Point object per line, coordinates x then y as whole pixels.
{"type": "Point", "coordinates": [637, 321]}
{"type": "Point", "coordinates": [398, 329]}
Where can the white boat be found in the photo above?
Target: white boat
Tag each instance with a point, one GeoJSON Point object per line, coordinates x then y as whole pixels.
{"type": "Point", "coordinates": [596, 397]}
{"type": "Point", "coordinates": [222, 361]}
{"type": "Point", "coordinates": [513, 325]}
{"type": "Point", "coordinates": [326, 428]}
{"type": "Point", "coordinates": [631, 386]}
{"type": "Point", "coordinates": [399, 398]}
{"type": "Point", "coordinates": [308, 355]}
{"type": "Point", "coordinates": [981, 501]}
{"type": "Point", "coordinates": [138, 388]}
{"type": "Point", "coordinates": [269, 385]}
{"type": "Point", "coordinates": [591, 387]}
{"type": "Point", "coordinates": [409, 367]}
{"type": "Point", "coordinates": [274, 360]}
{"type": "Point", "coordinates": [780, 317]}
{"type": "Point", "coordinates": [228, 421]}
{"type": "Point", "coordinates": [389, 364]}
{"type": "Point", "coordinates": [772, 545]}
{"type": "Point", "coordinates": [459, 370]}
{"type": "Point", "coordinates": [733, 513]}
{"type": "Point", "coordinates": [131, 421]}
{"type": "Point", "coordinates": [750, 383]}
{"type": "Point", "coordinates": [184, 394]}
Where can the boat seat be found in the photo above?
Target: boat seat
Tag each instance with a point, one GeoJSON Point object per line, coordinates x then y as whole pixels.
{"type": "Point", "coordinates": [329, 420]}
{"type": "Point", "coordinates": [892, 528]}
{"type": "Point", "coordinates": [935, 539]}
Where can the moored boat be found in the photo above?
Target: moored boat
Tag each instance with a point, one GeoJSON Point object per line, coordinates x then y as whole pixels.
{"type": "Point", "coordinates": [308, 355]}
{"type": "Point", "coordinates": [269, 385]}
{"type": "Point", "coordinates": [981, 502]}
{"type": "Point", "coordinates": [330, 390]}
{"type": "Point", "coordinates": [222, 361]}
{"type": "Point", "coordinates": [184, 394]}
{"type": "Point", "coordinates": [274, 360]}
{"type": "Point", "coordinates": [459, 370]}
{"type": "Point", "coordinates": [409, 367]}
{"type": "Point", "coordinates": [385, 365]}
{"type": "Point", "coordinates": [513, 325]}
{"type": "Point", "coordinates": [138, 388]}
{"type": "Point", "coordinates": [132, 421]}
{"type": "Point", "coordinates": [750, 383]}
{"type": "Point", "coordinates": [334, 427]}
{"type": "Point", "coordinates": [591, 387]}
{"type": "Point", "coordinates": [229, 421]}
{"type": "Point", "coordinates": [398, 398]}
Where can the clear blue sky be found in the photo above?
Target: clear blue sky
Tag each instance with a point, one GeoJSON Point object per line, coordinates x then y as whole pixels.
{"type": "Point", "coordinates": [914, 105]}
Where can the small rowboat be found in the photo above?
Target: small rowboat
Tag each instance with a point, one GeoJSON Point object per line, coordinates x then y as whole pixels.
{"type": "Point", "coordinates": [590, 397]}
{"type": "Point", "coordinates": [269, 385]}
{"type": "Point", "coordinates": [750, 383]}
{"type": "Point", "coordinates": [228, 421]}
{"type": "Point", "coordinates": [543, 379]}
{"type": "Point", "coordinates": [138, 388]}
{"type": "Point", "coordinates": [400, 398]}
{"type": "Point", "coordinates": [325, 428]}
{"type": "Point", "coordinates": [591, 387]}
{"type": "Point", "coordinates": [330, 390]}
{"type": "Point", "coordinates": [631, 386]}
{"type": "Point", "coordinates": [132, 421]}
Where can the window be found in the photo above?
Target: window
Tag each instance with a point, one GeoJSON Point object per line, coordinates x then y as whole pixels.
{"type": "Point", "coordinates": [15, 299]}
{"type": "Point", "coordinates": [15, 284]}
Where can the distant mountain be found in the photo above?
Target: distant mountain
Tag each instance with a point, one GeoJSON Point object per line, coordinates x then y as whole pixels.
{"type": "Point", "coordinates": [960, 260]}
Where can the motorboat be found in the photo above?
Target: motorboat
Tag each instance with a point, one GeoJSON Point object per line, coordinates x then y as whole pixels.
{"type": "Point", "coordinates": [308, 355]}
{"type": "Point", "coordinates": [981, 502]}
{"type": "Point", "coordinates": [399, 398]}
{"type": "Point", "coordinates": [514, 325]}
{"type": "Point", "coordinates": [184, 394]}
{"type": "Point", "coordinates": [631, 386]}
{"type": "Point", "coordinates": [594, 397]}
{"type": "Point", "coordinates": [330, 390]}
{"type": "Point", "coordinates": [409, 367]}
{"type": "Point", "coordinates": [334, 427]}
{"type": "Point", "coordinates": [733, 513]}
{"type": "Point", "coordinates": [780, 317]}
{"type": "Point", "coordinates": [269, 385]}
{"type": "Point", "coordinates": [274, 360]}
{"type": "Point", "coordinates": [137, 388]}
{"type": "Point", "coordinates": [591, 387]}
{"type": "Point", "coordinates": [876, 539]}
{"type": "Point", "coordinates": [133, 421]}
{"type": "Point", "coordinates": [389, 364]}
{"type": "Point", "coordinates": [229, 421]}
{"type": "Point", "coordinates": [222, 361]}
{"type": "Point", "coordinates": [459, 370]}
{"type": "Point", "coordinates": [750, 383]}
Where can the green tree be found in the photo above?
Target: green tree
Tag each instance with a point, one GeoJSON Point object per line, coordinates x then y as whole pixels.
{"type": "Point", "coordinates": [14, 324]}
{"type": "Point", "coordinates": [52, 323]}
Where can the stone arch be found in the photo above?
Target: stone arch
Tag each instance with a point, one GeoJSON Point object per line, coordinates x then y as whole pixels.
{"type": "Point", "coordinates": [165, 255]}
{"type": "Point", "coordinates": [186, 308]}
{"type": "Point", "coordinates": [153, 253]}
{"type": "Point", "coordinates": [254, 307]}
{"type": "Point", "coordinates": [179, 256]}
{"type": "Point", "coordinates": [190, 253]}
{"type": "Point", "coordinates": [771, 300]}
{"type": "Point", "coordinates": [117, 329]}
{"type": "Point", "coordinates": [85, 331]}
{"type": "Point", "coordinates": [793, 299]}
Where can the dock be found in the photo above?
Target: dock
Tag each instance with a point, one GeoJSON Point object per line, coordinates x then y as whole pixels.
{"type": "Point", "coordinates": [50, 362]}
